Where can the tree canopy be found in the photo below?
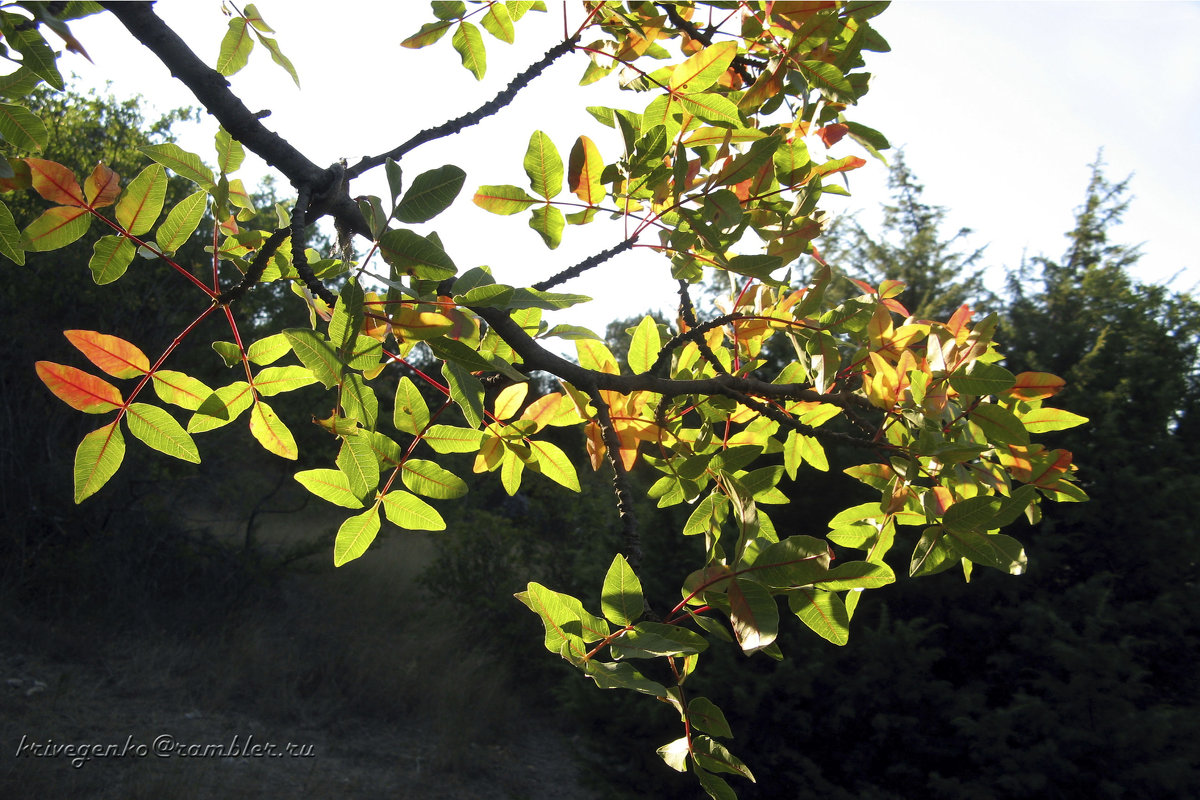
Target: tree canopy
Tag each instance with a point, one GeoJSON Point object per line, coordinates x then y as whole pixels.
{"type": "Point", "coordinates": [733, 107]}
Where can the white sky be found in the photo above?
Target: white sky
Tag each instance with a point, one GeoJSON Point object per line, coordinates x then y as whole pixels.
{"type": "Point", "coordinates": [1000, 108]}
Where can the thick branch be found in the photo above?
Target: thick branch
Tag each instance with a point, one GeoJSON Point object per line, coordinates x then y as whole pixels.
{"type": "Point", "coordinates": [212, 90]}
{"type": "Point", "coordinates": [536, 357]}
{"type": "Point", "coordinates": [612, 443]}
{"type": "Point", "coordinates": [458, 124]}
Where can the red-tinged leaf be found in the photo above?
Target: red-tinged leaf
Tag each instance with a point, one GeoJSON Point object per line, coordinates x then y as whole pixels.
{"type": "Point", "coordinates": [960, 318]}
{"type": "Point", "coordinates": [112, 354]}
{"type": "Point", "coordinates": [355, 536]}
{"type": "Point", "coordinates": [55, 182]}
{"type": "Point", "coordinates": [102, 187]}
{"type": "Point", "coordinates": [97, 459]}
{"type": "Point", "coordinates": [866, 287]}
{"type": "Point", "coordinates": [833, 133]}
{"type": "Point", "coordinates": [504, 200]}
{"type": "Point", "coordinates": [56, 227]}
{"type": "Point", "coordinates": [838, 165]}
{"type": "Point", "coordinates": [1035, 386]}
{"type": "Point", "coordinates": [142, 202]}
{"type": "Point", "coordinates": [429, 33]}
{"type": "Point", "coordinates": [80, 390]}
{"type": "Point", "coordinates": [583, 171]}
{"type": "Point", "coordinates": [268, 428]}
{"type": "Point", "coordinates": [824, 612]}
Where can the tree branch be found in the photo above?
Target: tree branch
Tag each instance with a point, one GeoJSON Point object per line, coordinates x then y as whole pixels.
{"type": "Point", "coordinates": [458, 124]}
{"type": "Point", "coordinates": [212, 90]}
{"type": "Point", "coordinates": [585, 265]}
{"type": "Point", "coordinates": [257, 267]}
{"type": "Point", "coordinates": [612, 444]}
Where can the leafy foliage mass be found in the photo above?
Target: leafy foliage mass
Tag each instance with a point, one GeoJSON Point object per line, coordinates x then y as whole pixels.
{"type": "Point", "coordinates": [733, 103]}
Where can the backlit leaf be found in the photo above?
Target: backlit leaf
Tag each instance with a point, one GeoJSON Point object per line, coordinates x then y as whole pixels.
{"type": "Point", "coordinates": [980, 378]}
{"type": "Point", "coordinates": [449, 439]}
{"type": "Point", "coordinates": [355, 536]}
{"type": "Point", "coordinates": [703, 69]}
{"type": "Point", "coordinates": [315, 352]}
{"type": "Point", "coordinates": [584, 168]}
{"type": "Point", "coordinates": [180, 389]}
{"type": "Point", "coordinates": [412, 254]}
{"type": "Point", "coordinates": [504, 200]}
{"type": "Point", "coordinates": [55, 182]}
{"type": "Point", "coordinates": [430, 480]}
{"type": "Point", "coordinates": [644, 347]}
{"type": "Point", "coordinates": [181, 222]}
{"type": "Point", "coordinates": [1044, 420]}
{"type": "Point", "coordinates": [468, 41]}
{"type": "Point", "coordinates": [410, 414]}
{"type": "Point", "coordinates": [824, 612]}
{"type": "Point", "coordinates": [235, 47]}
{"type": "Point", "coordinates": [358, 461]}
{"type": "Point", "coordinates": [142, 200]}
{"type": "Point", "coordinates": [271, 433]}
{"type": "Point", "coordinates": [753, 614]}
{"type": "Point", "coordinates": [1035, 386]}
{"type": "Point", "coordinates": [80, 390]}
{"type": "Point", "coordinates": [56, 227]}
{"type": "Point", "coordinates": [331, 485]}
{"type": "Point", "coordinates": [554, 464]}
{"type": "Point", "coordinates": [221, 407]}
{"type": "Point", "coordinates": [543, 165]}
{"type": "Point", "coordinates": [22, 128]}
{"type": "Point", "coordinates": [466, 391]}
{"type": "Point", "coordinates": [160, 430]}
{"type": "Point", "coordinates": [621, 599]}
{"type": "Point", "coordinates": [111, 256]}
{"type": "Point", "coordinates": [275, 380]}
{"type": "Point", "coordinates": [498, 23]}
{"type": "Point", "coordinates": [112, 354]}
{"type": "Point", "coordinates": [429, 33]}
{"type": "Point", "coordinates": [181, 162]}
{"type": "Point", "coordinates": [97, 459]}
{"type": "Point", "coordinates": [410, 512]}
{"type": "Point", "coordinates": [10, 237]}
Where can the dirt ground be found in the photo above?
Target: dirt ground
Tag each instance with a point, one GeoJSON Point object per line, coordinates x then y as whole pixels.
{"type": "Point", "coordinates": [328, 667]}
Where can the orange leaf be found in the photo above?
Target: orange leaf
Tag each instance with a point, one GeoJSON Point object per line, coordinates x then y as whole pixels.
{"type": "Point", "coordinates": [112, 354]}
{"type": "Point", "coordinates": [78, 389]}
{"type": "Point", "coordinates": [102, 187]}
{"type": "Point", "coordinates": [833, 133]}
{"type": "Point", "coordinates": [55, 182]}
{"type": "Point", "coordinates": [961, 317]}
{"type": "Point", "coordinates": [1035, 386]}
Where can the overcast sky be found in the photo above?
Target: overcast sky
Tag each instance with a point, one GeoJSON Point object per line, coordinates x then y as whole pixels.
{"type": "Point", "coordinates": [1000, 108]}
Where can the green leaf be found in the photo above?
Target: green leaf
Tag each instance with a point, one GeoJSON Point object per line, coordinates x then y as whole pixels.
{"type": "Point", "coordinates": [97, 459]}
{"type": "Point", "coordinates": [410, 414]}
{"type": "Point", "coordinates": [142, 200]}
{"type": "Point", "coordinates": [979, 378]}
{"type": "Point", "coordinates": [449, 439]}
{"type": "Point", "coordinates": [712, 755]}
{"type": "Point", "coordinates": [410, 253]}
{"type": "Point", "coordinates": [567, 623]}
{"type": "Point", "coordinates": [221, 407]}
{"type": "Point", "coordinates": [181, 162]}
{"type": "Point", "coordinates": [269, 349]}
{"type": "Point", "coordinates": [655, 639]}
{"type": "Point", "coordinates": [498, 23]}
{"type": "Point", "coordinates": [181, 222]}
{"type": "Point", "coordinates": [429, 33]}
{"type": "Point", "coordinates": [543, 165]}
{"type": "Point", "coordinates": [675, 753]}
{"type": "Point", "coordinates": [504, 199]}
{"type": "Point", "coordinates": [989, 550]}
{"type": "Point", "coordinates": [824, 612]}
{"type": "Point", "coordinates": [279, 58]}
{"type": "Point", "coordinates": [410, 512]}
{"type": "Point", "coordinates": [179, 389]}
{"type": "Point", "coordinates": [347, 318]}
{"type": "Point", "coordinates": [999, 424]}
{"type": "Point", "coordinates": [857, 575]}
{"type": "Point", "coordinates": [431, 480]}
{"type": "Point", "coordinates": [644, 347]}
{"type": "Point", "coordinates": [714, 786]}
{"type": "Point", "coordinates": [271, 433]}
{"type": "Point", "coordinates": [22, 128]}
{"type": "Point", "coordinates": [359, 401]}
{"type": "Point", "coordinates": [1044, 420]}
{"type": "Point", "coordinates": [357, 460]}
{"type": "Point", "coordinates": [355, 536]}
{"type": "Point", "coordinates": [704, 715]}
{"type": "Point", "coordinates": [331, 485]}
{"type": "Point", "coordinates": [548, 221]}
{"type": "Point", "coordinates": [703, 69]}
{"type": "Point", "coordinates": [465, 390]}
{"type": "Point", "coordinates": [160, 430]}
{"type": "Point", "coordinates": [621, 599]}
{"type": "Point", "coordinates": [753, 614]}
{"type": "Point", "coordinates": [932, 554]}
{"type": "Point", "coordinates": [235, 47]}
{"type": "Point", "coordinates": [230, 153]}
{"type": "Point", "coordinates": [229, 352]}
{"type": "Point", "coordinates": [792, 562]}
{"type": "Point", "coordinates": [431, 193]}
{"type": "Point", "coordinates": [10, 237]}
{"type": "Point", "coordinates": [551, 301]}
{"type": "Point", "coordinates": [712, 108]}
{"type": "Point", "coordinates": [315, 352]}
{"type": "Point", "coordinates": [111, 256]}
{"type": "Point", "coordinates": [468, 41]}
{"type": "Point", "coordinates": [554, 464]}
